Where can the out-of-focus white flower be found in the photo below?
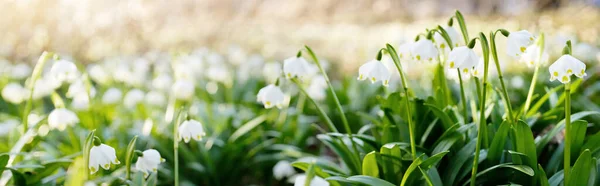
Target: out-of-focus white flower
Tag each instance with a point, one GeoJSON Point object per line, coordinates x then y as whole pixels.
{"type": "Point", "coordinates": [149, 161]}
{"type": "Point", "coordinates": [219, 73]}
{"type": "Point", "coordinates": [99, 74]}
{"type": "Point", "coordinates": [81, 101]}
{"type": "Point", "coordinates": [296, 67]}
{"type": "Point", "coordinates": [44, 87]}
{"type": "Point", "coordinates": [183, 89]}
{"type": "Point", "coordinates": [14, 93]}
{"type": "Point", "coordinates": [133, 97]}
{"type": "Point", "coordinates": [404, 51]}
{"type": "Point", "coordinates": [155, 98]}
{"type": "Point", "coordinates": [7, 126]}
{"type": "Point", "coordinates": [283, 169]}
{"type": "Point", "coordinates": [454, 37]}
{"type": "Point", "coordinates": [317, 87]}
{"type": "Point", "coordinates": [60, 118]}
{"type": "Point", "coordinates": [102, 155]}
{"type": "Point", "coordinates": [566, 66]}
{"type": "Point", "coordinates": [423, 50]}
{"type": "Point", "coordinates": [272, 71]}
{"type": "Point", "coordinates": [250, 68]}
{"type": "Point", "coordinates": [64, 71]}
{"type": "Point", "coordinates": [20, 71]}
{"type": "Point", "coordinates": [79, 87]}
{"type": "Point", "coordinates": [517, 82]}
{"type": "Point", "coordinates": [112, 96]}
{"type": "Point", "coordinates": [316, 181]}
{"type": "Point", "coordinates": [191, 129]}
{"type": "Point", "coordinates": [463, 58]}
{"type": "Point", "coordinates": [531, 55]}
{"type": "Point", "coordinates": [374, 70]}
{"type": "Point", "coordinates": [585, 51]}
{"type": "Point", "coordinates": [270, 96]}
{"type": "Point", "coordinates": [162, 82]}
{"type": "Point", "coordinates": [236, 54]}
{"type": "Point", "coordinates": [478, 70]}
{"type": "Point", "coordinates": [518, 42]}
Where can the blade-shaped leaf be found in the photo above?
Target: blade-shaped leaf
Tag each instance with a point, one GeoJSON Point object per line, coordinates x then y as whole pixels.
{"type": "Point", "coordinates": [367, 180]}
{"type": "Point", "coordinates": [580, 173]}
{"type": "Point", "coordinates": [369, 165]}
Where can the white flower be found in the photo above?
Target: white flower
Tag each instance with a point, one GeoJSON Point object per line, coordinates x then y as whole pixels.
{"type": "Point", "coordinates": [478, 70]}
{"type": "Point", "coordinates": [317, 87]}
{"type": "Point", "coordinates": [530, 57]}
{"type": "Point", "coordinates": [423, 50]}
{"type": "Point", "coordinates": [99, 74]}
{"type": "Point", "coordinates": [283, 169]}
{"type": "Point", "coordinates": [219, 73]}
{"type": "Point", "coordinates": [441, 42]}
{"type": "Point", "coordinates": [183, 89]}
{"type": "Point", "coordinates": [316, 181]}
{"type": "Point", "coordinates": [79, 87]}
{"type": "Point", "coordinates": [162, 82]}
{"type": "Point", "coordinates": [566, 66]}
{"type": "Point", "coordinates": [374, 70]}
{"type": "Point", "coordinates": [149, 161]}
{"type": "Point", "coordinates": [81, 101]}
{"type": "Point", "coordinates": [155, 98]}
{"type": "Point", "coordinates": [20, 71]}
{"type": "Point", "coordinates": [463, 58]}
{"type": "Point", "coordinates": [7, 126]}
{"type": "Point", "coordinates": [112, 96]}
{"type": "Point", "coordinates": [14, 93]}
{"type": "Point", "coordinates": [191, 129]}
{"type": "Point", "coordinates": [270, 96]}
{"type": "Point", "coordinates": [404, 50]}
{"type": "Point", "coordinates": [518, 42]}
{"type": "Point", "coordinates": [102, 156]}
{"type": "Point", "coordinates": [272, 71]}
{"type": "Point", "coordinates": [60, 118]}
{"type": "Point", "coordinates": [44, 87]}
{"type": "Point", "coordinates": [133, 97]}
{"type": "Point", "coordinates": [296, 67]}
{"type": "Point", "coordinates": [64, 71]}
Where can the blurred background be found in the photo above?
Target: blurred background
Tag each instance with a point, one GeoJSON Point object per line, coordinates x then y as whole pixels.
{"type": "Point", "coordinates": [342, 31]}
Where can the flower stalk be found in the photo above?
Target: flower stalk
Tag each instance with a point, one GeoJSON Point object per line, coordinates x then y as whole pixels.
{"type": "Point", "coordinates": [541, 43]}
{"type": "Point", "coordinates": [497, 62]}
{"type": "Point", "coordinates": [37, 72]}
{"type": "Point", "coordinates": [567, 156]}
{"type": "Point", "coordinates": [446, 37]}
{"type": "Point", "coordinates": [392, 52]}
{"type": "Point", "coordinates": [481, 133]}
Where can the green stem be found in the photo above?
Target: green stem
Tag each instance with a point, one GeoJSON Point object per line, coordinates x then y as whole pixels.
{"type": "Point", "coordinates": [567, 156]}
{"type": "Point", "coordinates": [37, 72]}
{"type": "Point", "coordinates": [497, 62]}
{"type": "Point", "coordinates": [482, 122]}
{"type": "Point", "coordinates": [320, 110]}
{"type": "Point", "coordinates": [176, 123]}
{"type": "Point", "coordinates": [462, 89]}
{"type": "Point", "coordinates": [394, 55]}
{"type": "Point", "coordinates": [541, 43]}
{"type": "Point", "coordinates": [463, 28]}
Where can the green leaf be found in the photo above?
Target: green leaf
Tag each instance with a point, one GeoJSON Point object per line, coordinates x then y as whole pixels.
{"type": "Point", "coordinates": [247, 127]}
{"type": "Point", "coordinates": [367, 180]}
{"type": "Point", "coordinates": [525, 144]}
{"type": "Point", "coordinates": [369, 165]}
{"type": "Point", "coordinates": [559, 127]}
{"type": "Point", "coordinates": [328, 168]}
{"type": "Point", "coordinates": [580, 173]}
{"type": "Point", "coordinates": [3, 161]}
{"type": "Point", "coordinates": [542, 176]}
{"type": "Point", "coordinates": [578, 130]}
{"type": "Point", "coordinates": [391, 157]}
{"type": "Point", "coordinates": [341, 149]}
{"type": "Point", "coordinates": [498, 143]}
{"type": "Point", "coordinates": [48, 169]}
{"type": "Point", "coordinates": [86, 152]}
{"type": "Point", "coordinates": [557, 178]}
{"type": "Point", "coordinates": [431, 161]}
{"type": "Point", "coordinates": [413, 166]}
{"type": "Point", "coordinates": [129, 157]}
{"type": "Point", "coordinates": [18, 177]}
{"type": "Point", "coordinates": [521, 168]}
{"type": "Point", "coordinates": [457, 161]}
{"type": "Point", "coordinates": [593, 143]}
{"type": "Point", "coordinates": [446, 120]}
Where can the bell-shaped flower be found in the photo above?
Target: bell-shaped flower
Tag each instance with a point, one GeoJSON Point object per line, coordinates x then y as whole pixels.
{"type": "Point", "coordinates": [79, 87]}
{"type": "Point", "coordinates": [133, 97]}
{"type": "Point", "coordinates": [112, 96]}
{"type": "Point", "coordinates": [81, 102]}
{"type": "Point", "coordinates": [14, 93]}
{"type": "Point", "coordinates": [317, 87]}
{"type": "Point", "coordinates": [296, 67]}
{"type": "Point", "coordinates": [64, 71]}
{"type": "Point", "coordinates": [191, 129]}
{"type": "Point", "coordinates": [155, 98]}
{"type": "Point", "coordinates": [60, 118]}
{"type": "Point", "coordinates": [99, 74]}
{"type": "Point", "coordinates": [423, 50]}
{"type": "Point", "coordinates": [283, 169]}
{"type": "Point", "coordinates": [149, 161]}
{"type": "Point", "coordinates": [270, 96]}
{"type": "Point", "coordinates": [183, 89]}
{"type": "Point", "coordinates": [518, 42]}
{"type": "Point", "coordinates": [441, 42]}
{"type": "Point", "coordinates": [272, 71]}
{"type": "Point", "coordinates": [531, 55]}
{"type": "Point", "coordinates": [374, 70]}
{"type": "Point", "coordinates": [102, 155]}
{"type": "Point", "coordinates": [44, 87]}
{"type": "Point", "coordinates": [478, 70]}
{"type": "Point", "coordinates": [463, 58]}
{"type": "Point", "coordinates": [404, 50]}
{"type": "Point", "coordinates": [315, 181]}
{"type": "Point", "coordinates": [162, 82]}
{"type": "Point", "coordinates": [20, 71]}
{"type": "Point", "coordinates": [566, 66]}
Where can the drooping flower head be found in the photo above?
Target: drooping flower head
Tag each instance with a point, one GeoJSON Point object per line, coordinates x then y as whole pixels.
{"type": "Point", "coordinates": [64, 71]}
{"type": "Point", "coordinates": [296, 67]}
{"type": "Point", "coordinates": [183, 89]}
{"type": "Point", "coordinates": [148, 161]}
{"type": "Point", "coordinates": [441, 43]}
{"type": "Point", "coordinates": [518, 42]}
{"type": "Point", "coordinates": [463, 58]}
{"type": "Point", "coordinates": [270, 96]}
{"type": "Point", "coordinates": [566, 66]}
{"type": "Point", "coordinates": [374, 70]}
{"type": "Point", "coordinates": [133, 97]}
{"type": "Point", "coordinates": [191, 129]}
{"type": "Point", "coordinates": [404, 50]}
{"type": "Point", "coordinates": [531, 55]}
{"type": "Point", "coordinates": [60, 118]}
{"type": "Point", "coordinates": [283, 169]}
{"type": "Point", "coordinates": [14, 93]}
{"type": "Point", "coordinates": [423, 50]}
{"type": "Point", "coordinates": [315, 181]}
{"type": "Point", "coordinates": [101, 155]}
{"type": "Point", "coordinates": [112, 96]}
